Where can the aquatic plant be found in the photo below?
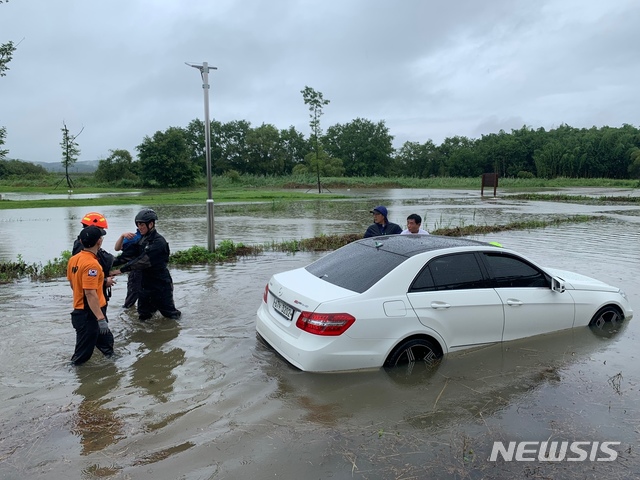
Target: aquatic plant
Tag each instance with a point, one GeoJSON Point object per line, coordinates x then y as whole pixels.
{"type": "Point", "coordinates": [10, 271]}
{"type": "Point", "coordinates": [225, 251]}
{"type": "Point", "coordinates": [468, 230]}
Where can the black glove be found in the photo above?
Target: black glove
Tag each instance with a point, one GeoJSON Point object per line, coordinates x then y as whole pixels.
{"type": "Point", "coordinates": [103, 326]}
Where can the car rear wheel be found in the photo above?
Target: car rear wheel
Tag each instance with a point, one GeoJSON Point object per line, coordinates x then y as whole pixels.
{"type": "Point", "coordinates": [413, 351]}
{"type": "Point", "coordinates": [606, 315]}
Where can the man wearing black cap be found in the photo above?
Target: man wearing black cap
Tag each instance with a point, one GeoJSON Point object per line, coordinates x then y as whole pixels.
{"type": "Point", "coordinates": [86, 278]}
{"type": "Point", "coordinates": [381, 225]}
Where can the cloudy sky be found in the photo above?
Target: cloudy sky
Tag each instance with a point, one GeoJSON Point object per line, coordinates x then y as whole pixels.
{"type": "Point", "coordinates": [430, 69]}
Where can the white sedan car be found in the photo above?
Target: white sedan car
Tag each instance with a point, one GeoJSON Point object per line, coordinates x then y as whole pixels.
{"type": "Point", "coordinates": [385, 301]}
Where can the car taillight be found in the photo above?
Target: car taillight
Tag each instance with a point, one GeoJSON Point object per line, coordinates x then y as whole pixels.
{"type": "Point", "coordinates": [331, 324]}
{"type": "Point", "coordinates": [266, 293]}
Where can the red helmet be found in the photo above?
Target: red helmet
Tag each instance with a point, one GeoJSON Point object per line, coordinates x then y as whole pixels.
{"type": "Point", "coordinates": [96, 219]}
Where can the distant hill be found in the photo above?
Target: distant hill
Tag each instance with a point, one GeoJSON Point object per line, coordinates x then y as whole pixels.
{"type": "Point", "coordinates": [78, 167]}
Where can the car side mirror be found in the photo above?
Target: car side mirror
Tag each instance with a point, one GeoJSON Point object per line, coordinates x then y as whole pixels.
{"type": "Point", "coordinates": [557, 285]}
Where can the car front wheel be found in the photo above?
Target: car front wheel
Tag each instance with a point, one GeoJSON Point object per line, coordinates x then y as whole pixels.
{"type": "Point", "coordinates": [413, 351]}
{"type": "Point", "coordinates": [609, 314]}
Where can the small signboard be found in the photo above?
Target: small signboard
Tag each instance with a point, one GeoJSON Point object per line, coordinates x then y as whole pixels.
{"type": "Point", "coordinates": [489, 180]}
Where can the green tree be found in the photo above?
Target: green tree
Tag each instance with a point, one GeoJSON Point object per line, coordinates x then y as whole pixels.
{"type": "Point", "coordinates": [414, 159]}
{"type": "Point", "coordinates": [165, 160]}
{"type": "Point", "coordinates": [620, 142]}
{"type": "Point", "coordinates": [117, 166]}
{"type": "Point", "coordinates": [508, 154]}
{"type": "Point", "coordinates": [294, 147]}
{"type": "Point", "coordinates": [634, 166]}
{"type": "Point", "coordinates": [6, 54]}
{"type": "Point", "coordinates": [548, 159]}
{"type": "Point", "coordinates": [237, 146]}
{"type": "Point", "coordinates": [456, 157]}
{"type": "Point", "coordinates": [194, 136]}
{"type": "Point", "coordinates": [365, 147]}
{"type": "Point", "coordinates": [15, 168]}
{"type": "Point", "coordinates": [232, 142]}
{"type": "Point", "coordinates": [315, 101]}
{"type": "Point", "coordinates": [3, 134]}
{"type": "Point", "coordinates": [265, 154]}
{"type": "Point", "coordinates": [322, 162]}
{"type": "Point", "coordinates": [70, 151]}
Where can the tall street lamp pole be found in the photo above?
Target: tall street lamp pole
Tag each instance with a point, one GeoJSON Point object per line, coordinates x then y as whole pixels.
{"type": "Point", "coordinates": [204, 71]}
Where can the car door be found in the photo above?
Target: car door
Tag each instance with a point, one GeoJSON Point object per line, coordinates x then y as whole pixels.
{"type": "Point", "coordinates": [531, 307]}
{"type": "Point", "coordinates": [451, 296]}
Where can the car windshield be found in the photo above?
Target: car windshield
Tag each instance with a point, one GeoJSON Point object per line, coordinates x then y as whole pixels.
{"type": "Point", "coordinates": [356, 267]}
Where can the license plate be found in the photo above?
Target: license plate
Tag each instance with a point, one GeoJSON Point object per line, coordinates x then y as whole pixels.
{"type": "Point", "coordinates": [283, 309]}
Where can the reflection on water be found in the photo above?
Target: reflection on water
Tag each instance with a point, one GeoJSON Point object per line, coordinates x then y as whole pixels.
{"type": "Point", "coordinates": [96, 423]}
{"type": "Point", "coordinates": [153, 368]}
{"type": "Point", "coordinates": [463, 387]}
{"type": "Point", "coordinates": [204, 398]}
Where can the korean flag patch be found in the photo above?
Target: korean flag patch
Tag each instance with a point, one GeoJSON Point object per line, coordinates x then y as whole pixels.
{"type": "Point", "coordinates": [93, 272]}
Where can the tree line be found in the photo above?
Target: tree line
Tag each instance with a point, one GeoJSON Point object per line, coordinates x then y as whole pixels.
{"type": "Point", "coordinates": [176, 157]}
{"type": "Point", "coordinates": [6, 54]}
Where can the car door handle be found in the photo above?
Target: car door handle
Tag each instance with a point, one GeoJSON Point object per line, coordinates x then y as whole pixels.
{"type": "Point", "coordinates": [439, 305]}
{"type": "Point", "coordinates": [513, 302]}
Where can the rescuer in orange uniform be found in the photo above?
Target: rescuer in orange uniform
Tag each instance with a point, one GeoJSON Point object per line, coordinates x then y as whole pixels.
{"type": "Point", "coordinates": [86, 278]}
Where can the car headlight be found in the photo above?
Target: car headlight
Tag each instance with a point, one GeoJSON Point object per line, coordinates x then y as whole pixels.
{"type": "Point", "coordinates": [622, 294]}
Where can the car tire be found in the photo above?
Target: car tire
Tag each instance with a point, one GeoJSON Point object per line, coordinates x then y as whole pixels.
{"type": "Point", "coordinates": [413, 351]}
{"type": "Point", "coordinates": [606, 323]}
{"type": "Point", "coordinates": [606, 315]}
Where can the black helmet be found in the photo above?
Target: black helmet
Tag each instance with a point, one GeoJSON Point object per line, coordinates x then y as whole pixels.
{"type": "Point", "coordinates": [146, 215]}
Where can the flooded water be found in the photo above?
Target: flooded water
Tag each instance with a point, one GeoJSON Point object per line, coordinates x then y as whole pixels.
{"type": "Point", "coordinates": [203, 398]}
{"type": "Point", "coordinates": [41, 234]}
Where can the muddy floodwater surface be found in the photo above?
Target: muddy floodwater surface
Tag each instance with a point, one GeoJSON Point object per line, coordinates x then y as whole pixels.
{"type": "Point", "coordinates": [204, 398]}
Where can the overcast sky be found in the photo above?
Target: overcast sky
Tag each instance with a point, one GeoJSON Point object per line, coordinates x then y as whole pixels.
{"type": "Point", "coordinates": [430, 69]}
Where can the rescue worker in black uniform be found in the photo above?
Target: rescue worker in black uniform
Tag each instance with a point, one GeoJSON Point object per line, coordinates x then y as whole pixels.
{"type": "Point", "coordinates": [95, 219]}
{"type": "Point", "coordinates": [152, 257]}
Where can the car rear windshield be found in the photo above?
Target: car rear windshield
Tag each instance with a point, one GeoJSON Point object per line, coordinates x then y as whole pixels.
{"type": "Point", "coordinates": [355, 267]}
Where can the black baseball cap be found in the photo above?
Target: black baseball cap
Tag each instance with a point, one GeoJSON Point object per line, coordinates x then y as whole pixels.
{"type": "Point", "coordinates": [89, 236]}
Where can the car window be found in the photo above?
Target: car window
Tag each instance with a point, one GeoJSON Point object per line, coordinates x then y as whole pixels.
{"type": "Point", "coordinates": [423, 282]}
{"type": "Point", "coordinates": [356, 267]}
{"type": "Point", "coordinates": [511, 272]}
{"type": "Point", "coordinates": [450, 272]}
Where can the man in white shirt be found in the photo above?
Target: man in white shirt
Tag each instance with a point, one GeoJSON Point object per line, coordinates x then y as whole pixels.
{"type": "Point", "coordinates": [413, 226]}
